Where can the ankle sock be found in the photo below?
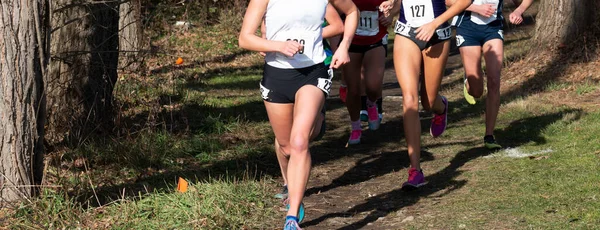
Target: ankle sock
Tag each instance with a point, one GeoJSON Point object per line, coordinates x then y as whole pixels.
{"type": "Point", "coordinates": [291, 218]}
{"type": "Point", "coordinates": [355, 125]}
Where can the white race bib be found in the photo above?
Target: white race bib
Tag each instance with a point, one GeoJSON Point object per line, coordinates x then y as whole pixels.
{"type": "Point", "coordinates": [480, 19]}
{"type": "Point", "coordinates": [444, 33]}
{"type": "Point", "coordinates": [324, 84]}
{"type": "Point", "coordinates": [368, 24]}
{"type": "Point", "coordinates": [402, 29]}
{"type": "Point", "coordinates": [418, 12]}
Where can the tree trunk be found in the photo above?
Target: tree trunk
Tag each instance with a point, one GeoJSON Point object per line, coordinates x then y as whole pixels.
{"type": "Point", "coordinates": [560, 21]}
{"type": "Point", "coordinates": [83, 71]}
{"type": "Point", "coordinates": [22, 63]}
{"type": "Point", "coordinates": [130, 35]}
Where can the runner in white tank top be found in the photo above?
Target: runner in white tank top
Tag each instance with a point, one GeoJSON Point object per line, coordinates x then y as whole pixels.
{"type": "Point", "coordinates": [423, 39]}
{"type": "Point", "coordinates": [294, 56]}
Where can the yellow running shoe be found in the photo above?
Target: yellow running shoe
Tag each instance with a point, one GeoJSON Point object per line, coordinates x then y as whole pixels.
{"type": "Point", "coordinates": [470, 99]}
{"type": "Point", "coordinates": [490, 143]}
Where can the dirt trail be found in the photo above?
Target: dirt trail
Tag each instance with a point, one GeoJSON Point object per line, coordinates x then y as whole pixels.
{"type": "Point", "coordinates": [358, 187]}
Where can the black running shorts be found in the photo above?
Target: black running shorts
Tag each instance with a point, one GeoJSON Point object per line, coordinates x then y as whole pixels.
{"type": "Point", "coordinates": [442, 34]}
{"type": "Point", "coordinates": [362, 49]}
{"type": "Point", "coordinates": [280, 85]}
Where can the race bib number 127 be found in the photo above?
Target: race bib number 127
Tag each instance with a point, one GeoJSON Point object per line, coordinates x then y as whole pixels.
{"type": "Point", "coordinates": [417, 12]}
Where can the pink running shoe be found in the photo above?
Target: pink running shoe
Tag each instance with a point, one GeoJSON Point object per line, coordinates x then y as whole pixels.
{"type": "Point", "coordinates": [439, 121]}
{"type": "Point", "coordinates": [355, 137]}
{"type": "Point", "coordinates": [374, 120]}
{"type": "Point", "coordinates": [343, 93]}
{"type": "Point", "coordinates": [415, 180]}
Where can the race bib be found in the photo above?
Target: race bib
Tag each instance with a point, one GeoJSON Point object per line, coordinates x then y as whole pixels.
{"type": "Point", "coordinates": [325, 84]}
{"type": "Point", "coordinates": [305, 39]}
{"type": "Point", "coordinates": [444, 33]}
{"type": "Point", "coordinates": [418, 12]}
{"type": "Point", "coordinates": [480, 19]}
{"type": "Point", "coordinates": [368, 25]}
{"type": "Point", "coordinates": [402, 29]}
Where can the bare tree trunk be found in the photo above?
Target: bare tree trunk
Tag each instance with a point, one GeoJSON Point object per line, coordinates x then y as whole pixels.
{"type": "Point", "coordinates": [83, 71]}
{"type": "Point", "coordinates": [560, 21]}
{"type": "Point", "coordinates": [22, 63]}
{"type": "Point", "coordinates": [130, 35]}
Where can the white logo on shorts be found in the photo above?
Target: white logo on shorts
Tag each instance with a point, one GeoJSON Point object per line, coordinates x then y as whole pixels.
{"type": "Point", "coordinates": [459, 40]}
{"type": "Point", "coordinates": [264, 92]}
{"type": "Point", "coordinates": [501, 32]}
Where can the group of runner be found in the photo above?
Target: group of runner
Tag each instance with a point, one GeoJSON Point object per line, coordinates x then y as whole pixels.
{"type": "Point", "coordinates": [299, 61]}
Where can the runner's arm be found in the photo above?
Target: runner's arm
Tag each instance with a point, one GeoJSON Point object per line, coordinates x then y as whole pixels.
{"type": "Point", "coordinates": [390, 7]}
{"type": "Point", "coordinates": [335, 25]}
{"type": "Point", "coordinates": [516, 17]}
{"type": "Point", "coordinates": [250, 41]}
{"type": "Point", "coordinates": [523, 6]}
{"type": "Point", "coordinates": [455, 9]}
{"type": "Point", "coordinates": [347, 7]}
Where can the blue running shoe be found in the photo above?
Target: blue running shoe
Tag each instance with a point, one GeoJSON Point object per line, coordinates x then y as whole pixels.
{"type": "Point", "coordinates": [291, 224]}
{"type": "Point", "coordinates": [300, 211]}
{"type": "Point", "coordinates": [283, 194]}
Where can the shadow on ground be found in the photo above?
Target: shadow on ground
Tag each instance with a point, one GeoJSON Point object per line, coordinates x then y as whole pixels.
{"type": "Point", "coordinates": [441, 182]}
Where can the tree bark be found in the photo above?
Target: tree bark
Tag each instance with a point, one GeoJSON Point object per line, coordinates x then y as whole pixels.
{"type": "Point", "coordinates": [130, 35]}
{"type": "Point", "coordinates": [22, 63]}
{"type": "Point", "coordinates": [83, 70]}
{"type": "Point", "coordinates": [561, 21]}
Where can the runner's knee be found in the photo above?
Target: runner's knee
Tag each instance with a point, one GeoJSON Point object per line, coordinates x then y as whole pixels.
{"type": "Point", "coordinates": [284, 148]}
{"type": "Point", "coordinates": [410, 101]}
{"type": "Point", "coordinates": [298, 145]}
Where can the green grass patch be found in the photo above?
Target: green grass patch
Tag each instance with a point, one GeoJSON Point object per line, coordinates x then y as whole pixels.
{"type": "Point", "coordinates": [211, 204]}
{"type": "Point", "coordinates": [545, 178]}
{"type": "Point", "coordinates": [587, 87]}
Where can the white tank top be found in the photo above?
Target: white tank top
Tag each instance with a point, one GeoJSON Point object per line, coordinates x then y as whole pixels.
{"type": "Point", "coordinates": [298, 20]}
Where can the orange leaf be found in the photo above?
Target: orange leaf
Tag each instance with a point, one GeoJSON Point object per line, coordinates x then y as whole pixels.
{"type": "Point", "coordinates": [182, 185]}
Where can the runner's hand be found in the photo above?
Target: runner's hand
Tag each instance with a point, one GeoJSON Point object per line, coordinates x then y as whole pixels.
{"type": "Point", "coordinates": [385, 7]}
{"type": "Point", "coordinates": [289, 48]}
{"type": "Point", "coordinates": [425, 32]}
{"type": "Point", "coordinates": [486, 10]}
{"type": "Point", "coordinates": [340, 57]}
{"type": "Point", "coordinates": [385, 21]}
{"type": "Point", "coordinates": [516, 17]}
{"type": "Point", "coordinates": [262, 54]}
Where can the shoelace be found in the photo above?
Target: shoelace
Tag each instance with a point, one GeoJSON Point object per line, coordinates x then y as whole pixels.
{"type": "Point", "coordinates": [412, 175]}
{"type": "Point", "coordinates": [292, 225]}
{"type": "Point", "coordinates": [437, 119]}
